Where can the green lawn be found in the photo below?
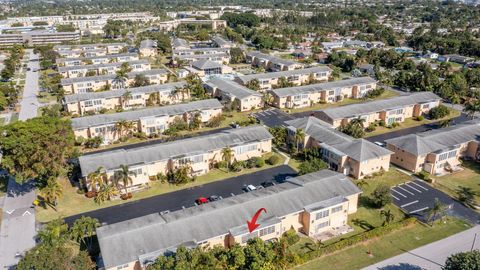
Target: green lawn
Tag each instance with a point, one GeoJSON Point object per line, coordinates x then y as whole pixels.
{"type": "Point", "coordinates": [387, 246]}
{"type": "Point", "coordinates": [410, 122]}
{"type": "Point", "coordinates": [347, 101]}
{"type": "Point", "coordinates": [469, 177]}
{"type": "Point", "coordinates": [72, 203]}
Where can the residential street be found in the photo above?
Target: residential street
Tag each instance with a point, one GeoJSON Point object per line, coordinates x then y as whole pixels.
{"type": "Point", "coordinates": [432, 256]}
{"type": "Point", "coordinates": [17, 232]}
{"type": "Point", "coordinates": [186, 197]}
{"type": "Point", "coordinates": [29, 103]}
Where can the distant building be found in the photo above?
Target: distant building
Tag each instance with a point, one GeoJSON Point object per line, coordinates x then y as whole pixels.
{"type": "Point", "coordinates": [148, 48]}
{"type": "Point", "coordinates": [272, 63]}
{"type": "Point", "coordinates": [232, 93]}
{"type": "Point", "coordinates": [206, 67]}
{"type": "Point", "coordinates": [38, 37]}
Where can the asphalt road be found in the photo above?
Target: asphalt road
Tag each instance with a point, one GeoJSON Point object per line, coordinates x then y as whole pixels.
{"type": "Point", "coordinates": [431, 256]}
{"type": "Point", "coordinates": [416, 198]}
{"type": "Point", "coordinates": [186, 197]}
{"type": "Point", "coordinates": [29, 103]}
{"type": "Point", "coordinates": [273, 117]}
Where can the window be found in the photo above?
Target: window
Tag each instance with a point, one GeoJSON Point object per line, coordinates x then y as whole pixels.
{"type": "Point", "coordinates": [322, 214]}
{"type": "Point", "coordinates": [266, 231]}
{"type": "Point", "coordinates": [426, 106]}
{"type": "Point", "coordinates": [337, 209]}
{"type": "Point", "coordinates": [245, 148]}
{"type": "Point", "coordinates": [137, 171]}
{"type": "Point", "coordinates": [447, 155]}
{"type": "Point", "coordinates": [192, 159]}
{"type": "Point", "coordinates": [322, 225]}
{"type": "Point", "coordinates": [100, 130]}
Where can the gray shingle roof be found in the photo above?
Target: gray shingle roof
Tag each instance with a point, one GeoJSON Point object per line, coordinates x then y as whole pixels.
{"type": "Point", "coordinates": [355, 110]}
{"type": "Point", "coordinates": [162, 151]}
{"type": "Point", "coordinates": [357, 149]}
{"type": "Point", "coordinates": [147, 237]}
{"type": "Point", "coordinates": [271, 58]}
{"type": "Point", "coordinates": [221, 41]}
{"type": "Point", "coordinates": [201, 50]}
{"type": "Point", "coordinates": [68, 81]}
{"type": "Point", "coordinates": [270, 75]}
{"type": "Point", "coordinates": [313, 88]}
{"type": "Point", "coordinates": [179, 42]}
{"type": "Point", "coordinates": [205, 64]}
{"type": "Point", "coordinates": [88, 45]}
{"type": "Point", "coordinates": [438, 140]}
{"type": "Point", "coordinates": [170, 110]}
{"type": "Point", "coordinates": [108, 56]}
{"type": "Point", "coordinates": [168, 87]}
{"type": "Point", "coordinates": [201, 56]}
{"type": "Point", "coordinates": [232, 88]}
{"type": "Point", "coordinates": [115, 64]}
{"type": "Point", "coordinates": [148, 44]}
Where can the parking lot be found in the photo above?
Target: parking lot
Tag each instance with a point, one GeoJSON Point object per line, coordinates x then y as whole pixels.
{"type": "Point", "coordinates": [272, 117]}
{"type": "Point", "coordinates": [416, 198]}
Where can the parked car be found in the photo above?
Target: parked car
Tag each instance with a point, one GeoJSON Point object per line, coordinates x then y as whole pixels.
{"type": "Point", "coordinates": [380, 144]}
{"type": "Point", "coordinates": [251, 188]}
{"type": "Point", "coordinates": [201, 200]}
{"type": "Point", "coordinates": [267, 184]}
{"type": "Point", "coordinates": [214, 198]}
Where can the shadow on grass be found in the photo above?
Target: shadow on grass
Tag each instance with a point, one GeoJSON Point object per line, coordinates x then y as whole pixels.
{"type": "Point", "coordinates": [365, 225]}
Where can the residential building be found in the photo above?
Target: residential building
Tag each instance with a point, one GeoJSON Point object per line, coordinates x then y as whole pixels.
{"type": "Point", "coordinates": [214, 57]}
{"type": "Point", "coordinates": [437, 151]}
{"type": "Point", "coordinates": [314, 204]}
{"type": "Point", "coordinates": [88, 50]}
{"type": "Point", "coordinates": [110, 81]}
{"type": "Point", "coordinates": [234, 94]}
{"type": "Point", "coordinates": [95, 60]}
{"type": "Point", "coordinates": [148, 48]}
{"type": "Point", "coordinates": [395, 109]}
{"type": "Point", "coordinates": [271, 63]}
{"type": "Point", "coordinates": [307, 95]}
{"type": "Point", "coordinates": [355, 157]}
{"type": "Point", "coordinates": [201, 153]}
{"type": "Point", "coordinates": [297, 76]}
{"type": "Point", "coordinates": [180, 44]}
{"type": "Point", "coordinates": [459, 59]}
{"type": "Point", "coordinates": [154, 120]}
{"type": "Point", "coordinates": [206, 67]}
{"type": "Point", "coordinates": [38, 37]}
{"type": "Point", "coordinates": [221, 42]}
{"type": "Point", "coordinates": [102, 69]}
{"type": "Point", "coordinates": [157, 94]}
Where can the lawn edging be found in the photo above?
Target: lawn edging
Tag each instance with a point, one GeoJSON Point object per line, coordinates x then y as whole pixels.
{"type": "Point", "coordinates": [356, 240]}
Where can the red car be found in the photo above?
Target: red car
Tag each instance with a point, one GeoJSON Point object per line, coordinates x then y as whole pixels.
{"type": "Point", "coordinates": [201, 200]}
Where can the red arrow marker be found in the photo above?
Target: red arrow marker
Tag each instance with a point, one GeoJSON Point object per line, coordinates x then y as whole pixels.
{"type": "Point", "coordinates": [252, 225]}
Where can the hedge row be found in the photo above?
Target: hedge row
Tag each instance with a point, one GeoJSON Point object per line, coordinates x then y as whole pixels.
{"type": "Point", "coordinates": [357, 239]}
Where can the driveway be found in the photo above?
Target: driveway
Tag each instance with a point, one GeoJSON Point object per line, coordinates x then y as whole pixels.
{"type": "Point", "coordinates": [273, 117]}
{"type": "Point", "coordinates": [173, 201]}
{"type": "Point", "coordinates": [29, 103]}
{"type": "Point", "coordinates": [416, 198]}
{"type": "Point", "coordinates": [432, 256]}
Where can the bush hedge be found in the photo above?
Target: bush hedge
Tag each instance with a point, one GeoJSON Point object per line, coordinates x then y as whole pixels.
{"type": "Point", "coordinates": [273, 160]}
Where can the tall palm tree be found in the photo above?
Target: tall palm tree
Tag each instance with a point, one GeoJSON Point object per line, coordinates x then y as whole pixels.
{"type": "Point", "coordinates": [126, 97]}
{"type": "Point", "coordinates": [362, 183]}
{"type": "Point", "coordinates": [471, 107]}
{"type": "Point", "coordinates": [227, 155]}
{"type": "Point", "coordinates": [106, 192]}
{"type": "Point", "coordinates": [124, 175]}
{"type": "Point", "coordinates": [84, 228]}
{"type": "Point", "coordinates": [121, 77]}
{"type": "Point", "coordinates": [437, 211]}
{"type": "Point", "coordinates": [267, 99]}
{"type": "Point", "coordinates": [388, 216]}
{"type": "Point", "coordinates": [299, 138]}
{"type": "Point", "coordinates": [98, 177]}
{"type": "Point", "coordinates": [52, 191]}
{"type": "Point", "coordinates": [120, 127]}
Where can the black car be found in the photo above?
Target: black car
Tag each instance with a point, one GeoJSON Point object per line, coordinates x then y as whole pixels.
{"type": "Point", "coordinates": [267, 184]}
{"type": "Point", "coordinates": [214, 198]}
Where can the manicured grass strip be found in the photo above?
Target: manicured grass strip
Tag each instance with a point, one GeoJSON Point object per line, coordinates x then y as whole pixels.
{"type": "Point", "coordinates": [386, 246]}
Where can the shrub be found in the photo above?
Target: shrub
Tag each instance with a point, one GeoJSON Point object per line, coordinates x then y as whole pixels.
{"type": "Point", "coordinates": [424, 175]}
{"type": "Point", "coordinates": [273, 160]}
{"type": "Point", "coordinates": [221, 164]}
{"type": "Point", "coordinates": [291, 237]}
{"type": "Point", "coordinates": [94, 142]}
{"type": "Point", "coordinates": [438, 112]}
{"type": "Point", "coordinates": [420, 118]}
{"type": "Point", "coordinates": [371, 127]}
{"type": "Point", "coordinates": [103, 110]}
{"type": "Point", "coordinates": [215, 121]}
{"type": "Point", "coordinates": [395, 124]}
{"type": "Point", "coordinates": [312, 165]}
{"type": "Point", "coordinates": [381, 196]}
{"type": "Point", "coordinates": [237, 166]}
{"type": "Point", "coordinates": [140, 135]}
{"type": "Point", "coordinates": [259, 162]}
{"type": "Point", "coordinates": [382, 123]}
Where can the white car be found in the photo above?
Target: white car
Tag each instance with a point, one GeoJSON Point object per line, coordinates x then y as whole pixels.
{"type": "Point", "coordinates": [251, 188]}
{"type": "Point", "coordinates": [379, 144]}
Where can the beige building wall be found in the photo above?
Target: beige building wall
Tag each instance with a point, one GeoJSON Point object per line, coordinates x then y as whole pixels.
{"type": "Point", "coordinates": [361, 169]}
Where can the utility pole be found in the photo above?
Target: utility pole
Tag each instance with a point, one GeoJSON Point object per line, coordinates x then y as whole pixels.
{"type": "Point", "coordinates": [473, 244]}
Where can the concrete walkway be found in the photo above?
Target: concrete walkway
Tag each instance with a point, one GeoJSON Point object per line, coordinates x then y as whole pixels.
{"type": "Point", "coordinates": [434, 255]}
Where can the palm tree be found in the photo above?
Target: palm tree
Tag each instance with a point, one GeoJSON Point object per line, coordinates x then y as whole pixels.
{"type": "Point", "coordinates": [471, 107]}
{"type": "Point", "coordinates": [120, 127]}
{"type": "Point", "coordinates": [120, 78]}
{"type": "Point", "coordinates": [124, 175]}
{"type": "Point", "coordinates": [388, 217]}
{"type": "Point", "coordinates": [127, 96]}
{"type": "Point", "coordinates": [437, 211]}
{"type": "Point", "coordinates": [179, 90]}
{"type": "Point", "coordinates": [52, 191]}
{"type": "Point", "coordinates": [445, 123]}
{"type": "Point", "coordinates": [84, 228]}
{"type": "Point", "coordinates": [466, 195]}
{"type": "Point", "coordinates": [299, 138]}
{"type": "Point", "coordinates": [106, 192]}
{"type": "Point", "coordinates": [98, 177]}
{"type": "Point", "coordinates": [362, 183]}
{"type": "Point", "coordinates": [227, 155]}
{"type": "Point", "coordinates": [253, 84]}
{"type": "Point", "coordinates": [267, 99]}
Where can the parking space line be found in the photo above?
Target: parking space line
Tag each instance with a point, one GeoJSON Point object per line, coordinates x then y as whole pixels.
{"type": "Point", "coordinates": [413, 188]}
{"type": "Point", "coordinates": [411, 193]}
{"type": "Point", "coordinates": [399, 193]}
{"type": "Point", "coordinates": [419, 186]}
{"type": "Point", "coordinates": [394, 197]}
{"type": "Point", "coordinates": [418, 210]}
{"type": "Point", "coordinates": [407, 204]}
{"type": "Point", "coordinates": [267, 112]}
